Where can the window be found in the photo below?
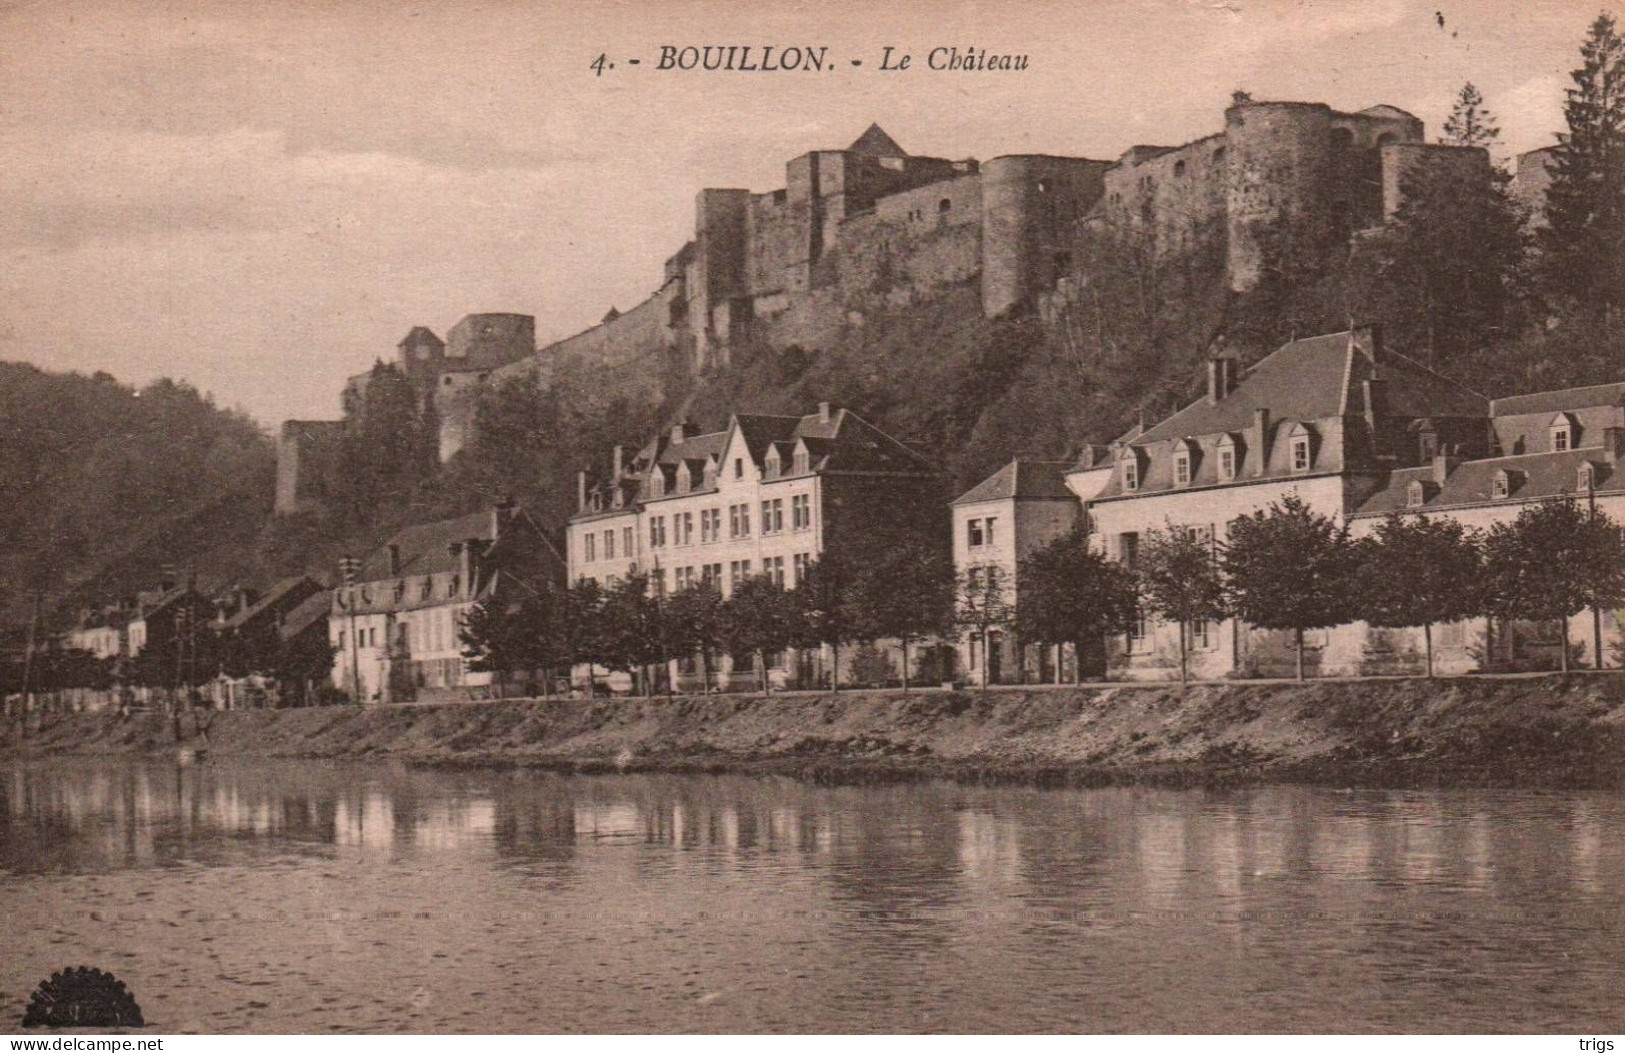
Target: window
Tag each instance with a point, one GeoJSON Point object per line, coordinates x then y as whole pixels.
{"type": "Point", "coordinates": [1562, 433]}
{"type": "Point", "coordinates": [1201, 634]}
{"type": "Point", "coordinates": [1139, 636]}
{"type": "Point", "coordinates": [974, 537]}
{"type": "Point", "coordinates": [770, 467]}
{"type": "Point", "coordinates": [685, 531]}
{"type": "Point", "coordinates": [774, 568]}
{"type": "Point", "coordinates": [1300, 453]}
{"type": "Point", "coordinates": [1182, 468]}
{"type": "Point", "coordinates": [626, 542]}
{"type": "Point", "coordinates": [739, 467]}
{"type": "Point", "coordinates": [1131, 473]}
{"type": "Point", "coordinates": [738, 571]}
{"type": "Point", "coordinates": [1415, 495]}
{"type": "Point", "coordinates": [592, 548]}
{"type": "Point", "coordinates": [609, 544]}
{"type": "Point", "coordinates": [1499, 485]}
{"type": "Point", "coordinates": [657, 483]}
{"type": "Point", "coordinates": [733, 520]}
{"type": "Point", "coordinates": [683, 478]}
{"type": "Point", "coordinates": [800, 463]}
{"type": "Point", "coordinates": [1227, 464]}
{"type": "Point", "coordinates": [801, 512]}
{"type": "Point", "coordinates": [711, 574]}
{"type": "Point", "coordinates": [1586, 480]}
{"type": "Point", "coordinates": [706, 536]}
{"type": "Point", "coordinates": [1128, 549]}
{"type": "Point", "coordinates": [802, 559]}
{"type": "Point", "coordinates": [773, 516]}
{"type": "Point", "coordinates": [657, 578]}
{"type": "Point", "coordinates": [657, 532]}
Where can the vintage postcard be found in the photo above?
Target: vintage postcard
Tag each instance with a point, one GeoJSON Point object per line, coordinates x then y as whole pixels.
{"type": "Point", "coordinates": [707, 517]}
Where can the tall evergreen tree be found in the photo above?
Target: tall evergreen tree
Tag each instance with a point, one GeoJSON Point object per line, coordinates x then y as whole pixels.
{"type": "Point", "coordinates": [1470, 123]}
{"type": "Point", "coordinates": [1584, 236]}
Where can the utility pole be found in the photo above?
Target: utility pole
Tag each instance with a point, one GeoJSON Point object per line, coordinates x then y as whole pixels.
{"type": "Point", "coordinates": [349, 570]}
{"type": "Point", "coordinates": [1596, 614]}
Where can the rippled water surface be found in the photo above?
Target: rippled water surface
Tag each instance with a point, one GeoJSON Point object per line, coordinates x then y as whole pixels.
{"type": "Point", "coordinates": [315, 897]}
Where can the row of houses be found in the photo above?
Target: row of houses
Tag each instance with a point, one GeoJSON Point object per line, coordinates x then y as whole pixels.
{"type": "Point", "coordinates": [1353, 428]}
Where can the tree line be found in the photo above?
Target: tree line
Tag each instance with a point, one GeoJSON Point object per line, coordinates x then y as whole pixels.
{"type": "Point", "coordinates": [1286, 567]}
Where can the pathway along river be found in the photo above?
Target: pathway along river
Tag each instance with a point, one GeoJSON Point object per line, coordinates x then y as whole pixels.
{"type": "Point", "coordinates": [304, 896]}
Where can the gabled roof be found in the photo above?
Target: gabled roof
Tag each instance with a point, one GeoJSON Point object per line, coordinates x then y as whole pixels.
{"type": "Point", "coordinates": [1536, 476]}
{"type": "Point", "coordinates": [315, 608]}
{"type": "Point", "coordinates": [1022, 481]}
{"type": "Point", "coordinates": [874, 142]}
{"type": "Point", "coordinates": [1557, 401]}
{"type": "Point", "coordinates": [426, 547]}
{"type": "Point", "coordinates": [278, 596]}
{"type": "Point", "coordinates": [1316, 378]}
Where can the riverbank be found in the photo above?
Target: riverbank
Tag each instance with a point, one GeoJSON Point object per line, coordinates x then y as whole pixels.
{"type": "Point", "coordinates": [1515, 731]}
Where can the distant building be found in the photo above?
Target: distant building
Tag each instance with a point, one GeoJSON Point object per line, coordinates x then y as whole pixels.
{"type": "Point", "coordinates": [395, 628]}
{"type": "Point", "coordinates": [766, 495]}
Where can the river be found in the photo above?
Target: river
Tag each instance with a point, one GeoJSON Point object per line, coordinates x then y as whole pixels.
{"type": "Point", "coordinates": [305, 896]}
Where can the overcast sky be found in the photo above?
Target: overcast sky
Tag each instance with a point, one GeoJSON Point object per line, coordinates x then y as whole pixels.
{"type": "Point", "coordinates": [262, 198]}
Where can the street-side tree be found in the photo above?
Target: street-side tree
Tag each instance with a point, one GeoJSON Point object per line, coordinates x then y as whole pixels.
{"type": "Point", "coordinates": [511, 630]}
{"type": "Point", "coordinates": [908, 594]}
{"type": "Point", "coordinates": [1417, 571]}
{"type": "Point", "coordinates": [1583, 240]}
{"type": "Point", "coordinates": [1180, 581]}
{"type": "Point", "coordinates": [982, 606]}
{"type": "Point", "coordinates": [582, 631]}
{"type": "Point", "coordinates": [1555, 560]}
{"type": "Point", "coordinates": [1069, 593]}
{"type": "Point", "coordinates": [633, 634]}
{"type": "Point", "coordinates": [758, 619]}
{"type": "Point", "coordinates": [694, 616]}
{"type": "Point", "coordinates": [822, 611]}
{"type": "Point", "coordinates": [1289, 567]}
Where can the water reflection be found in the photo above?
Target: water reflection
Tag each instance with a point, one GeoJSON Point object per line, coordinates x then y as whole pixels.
{"type": "Point", "coordinates": [307, 896]}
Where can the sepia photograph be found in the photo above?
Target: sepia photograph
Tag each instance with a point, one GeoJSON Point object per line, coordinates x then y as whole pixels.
{"type": "Point", "coordinates": [760, 517]}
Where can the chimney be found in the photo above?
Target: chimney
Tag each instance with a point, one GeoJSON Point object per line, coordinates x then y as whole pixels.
{"type": "Point", "coordinates": [394, 560]}
{"type": "Point", "coordinates": [1367, 339]}
{"type": "Point", "coordinates": [823, 413]}
{"type": "Point", "coordinates": [1221, 378]}
{"type": "Point", "coordinates": [679, 432]}
{"type": "Point", "coordinates": [1613, 444]}
{"type": "Point", "coordinates": [620, 461]}
{"type": "Point", "coordinates": [1443, 465]}
{"type": "Point", "coordinates": [1261, 439]}
{"type": "Point", "coordinates": [581, 491]}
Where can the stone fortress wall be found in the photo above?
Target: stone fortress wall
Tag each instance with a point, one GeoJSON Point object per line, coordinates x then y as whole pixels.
{"type": "Point", "coordinates": [872, 227]}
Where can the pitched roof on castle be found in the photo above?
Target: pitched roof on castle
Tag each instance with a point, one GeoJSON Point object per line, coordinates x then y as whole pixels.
{"type": "Point", "coordinates": [874, 142]}
{"type": "Point", "coordinates": [1316, 378]}
{"type": "Point", "coordinates": [1022, 481]}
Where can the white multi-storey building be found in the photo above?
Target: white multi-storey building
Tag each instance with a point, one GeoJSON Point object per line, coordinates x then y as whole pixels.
{"type": "Point", "coordinates": [765, 495]}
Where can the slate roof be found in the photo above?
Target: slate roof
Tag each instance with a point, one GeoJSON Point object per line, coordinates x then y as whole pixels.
{"type": "Point", "coordinates": [1531, 477]}
{"type": "Point", "coordinates": [1554, 402]}
{"type": "Point", "coordinates": [876, 143]}
{"type": "Point", "coordinates": [1316, 378]}
{"type": "Point", "coordinates": [426, 547]}
{"type": "Point", "coordinates": [421, 335]}
{"type": "Point", "coordinates": [1022, 481]}
{"type": "Point", "coordinates": [315, 608]}
{"type": "Point", "coordinates": [274, 597]}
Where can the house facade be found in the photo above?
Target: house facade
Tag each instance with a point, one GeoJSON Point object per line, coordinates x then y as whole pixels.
{"type": "Point", "coordinates": [1356, 431]}
{"type": "Point", "coordinates": [1019, 508]}
{"type": "Point", "coordinates": [765, 495]}
{"type": "Point", "coordinates": [395, 626]}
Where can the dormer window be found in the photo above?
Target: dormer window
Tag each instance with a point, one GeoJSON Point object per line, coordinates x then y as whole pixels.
{"type": "Point", "coordinates": [1562, 433]}
{"type": "Point", "coordinates": [1184, 462]}
{"type": "Point", "coordinates": [771, 466]}
{"type": "Point", "coordinates": [684, 480]}
{"type": "Point", "coordinates": [1415, 495]}
{"type": "Point", "coordinates": [1500, 485]}
{"type": "Point", "coordinates": [1586, 479]}
{"type": "Point", "coordinates": [1229, 455]}
{"type": "Point", "coordinates": [800, 462]}
{"type": "Point", "coordinates": [1300, 451]}
{"type": "Point", "coordinates": [619, 500]}
{"type": "Point", "coordinates": [1131, 471]}
{"type": "Point", "coordinates": [710, 476]}
{"type": "Point", "coordinates": [657, 484]}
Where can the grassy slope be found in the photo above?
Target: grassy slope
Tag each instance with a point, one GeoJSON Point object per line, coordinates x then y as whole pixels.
{"type": "Point", "coordinates": [1516, 731]}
